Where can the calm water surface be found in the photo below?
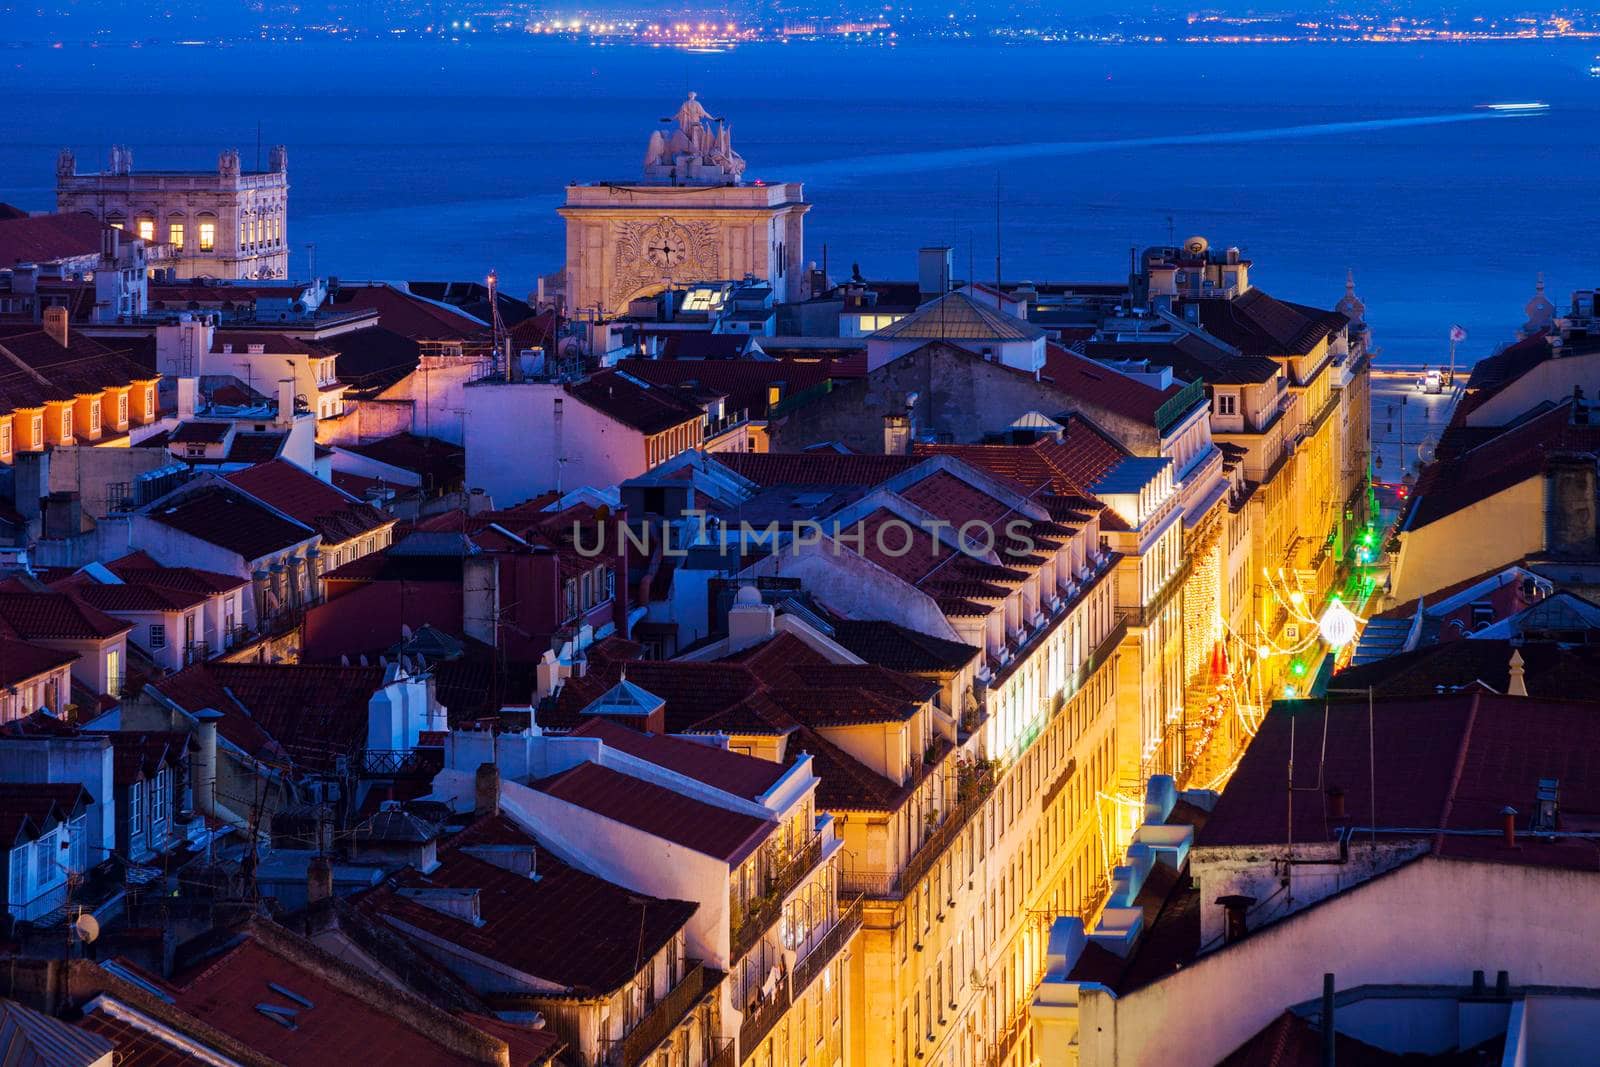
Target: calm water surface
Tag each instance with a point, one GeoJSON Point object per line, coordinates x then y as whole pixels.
{"type": "Point", "coordinates": [443, 160]}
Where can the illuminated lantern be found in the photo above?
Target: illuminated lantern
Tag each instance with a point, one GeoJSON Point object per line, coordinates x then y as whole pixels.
{"type": "Point", "coordinates": [1337, 625]}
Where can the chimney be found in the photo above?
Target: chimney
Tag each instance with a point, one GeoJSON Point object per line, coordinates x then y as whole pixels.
{"type": "Point", "coordinates": [319, 879]}
{"type": "Point", "coordinates": [1237, 908]}
{"type": "Point", "coordinates": [897, 434]}
{"type": "Point", "coordinates": [203, 763]}
{"type": "Point", "coordinates": [285, 401]}
{"type": "Point", "coordinates": [1570, 504]}
{"type": "Point", "coordinates": [1517, 686]}
{"type": "Point", "coordinates": [749, 620]}
{"type": "Point", "coordinates": [934, 268]}
{"type": "Point", "coordinates": [1336, 804]}
{"type": "Point", "coordinates": [188, 390]}
{"type": "Point", "coordinates": [55, 324]}
{"type": "Point", "coordinates": [487, 794]}
{"type": "Point", "coordinates": [1508, 825]}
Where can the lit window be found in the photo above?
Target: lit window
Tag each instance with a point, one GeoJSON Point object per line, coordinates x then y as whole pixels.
{"type": "Point", "coordinates": [208, 235]}
{"type": "Point", "coordinates": [147, 229]}
{"type": "Point", "coordinates": [175, 234]}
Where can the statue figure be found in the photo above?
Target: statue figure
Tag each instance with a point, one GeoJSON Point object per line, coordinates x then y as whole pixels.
{"type": "Point", "coordinates": [66, 164]}
{"type": "Point", "coordinates": [696, 134]}
{"type": "Point", "coordinates": [690, 116]}
{"type": "Point", "coordinates": [228, 163]}
{"type": "Point", "coordinates": [278, 159]}
{"type": "Point", "coordinates": [655, 150]}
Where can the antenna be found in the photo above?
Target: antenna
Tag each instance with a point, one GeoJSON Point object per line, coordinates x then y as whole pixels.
{"type": "Point", "coordinates": [997, 240]}
{"type": "Point", "coordinates": [497, 326]}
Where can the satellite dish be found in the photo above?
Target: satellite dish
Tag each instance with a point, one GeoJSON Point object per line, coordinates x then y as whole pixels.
{"type": "Point", "coordinates": [1196, 246]}
{"type": "Point", "coordinates": [1428, 449]}
{"type": "Point", "coordinates": [85, 928]}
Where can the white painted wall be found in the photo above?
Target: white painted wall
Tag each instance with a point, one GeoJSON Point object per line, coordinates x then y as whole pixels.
{"type": "Point", "coordinates": [513, 451]}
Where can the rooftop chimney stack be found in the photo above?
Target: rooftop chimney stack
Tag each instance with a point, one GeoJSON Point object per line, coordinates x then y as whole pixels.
{"type": "Point", "coordinates": [1508, 825]}
{"type": "Point", "coordinates": [935, 266]}
{"type": "Point", "coordinates": [55, 324]}
{"type": "Point", "coordinates": [319, 879]}
{"type": "Point", "coordinates": [487, 793]}
{"type": "Point", "coordinates": [285, 401]}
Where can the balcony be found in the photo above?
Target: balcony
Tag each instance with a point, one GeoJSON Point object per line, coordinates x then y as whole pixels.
{"type": "Point", "coordinates": [762, 911]}
{"type": "Point", "coordinates": [401, 762]}
{"type": "Point", "coordinates": [759, 1020]}
{"type": "Point", "coordinates": [974, 783]}
{"type": "Point", "coordinates": [714, 427]}
{"type": "Point", "coordinates": [660, 1021]}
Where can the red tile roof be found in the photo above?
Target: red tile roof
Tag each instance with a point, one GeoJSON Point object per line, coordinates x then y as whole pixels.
{"type": "Point", "coordinates": [132, 596]}
{"type": "Point", "coordinates": [229, 519]}
{"type": "Point", "coordinates": [740, 775]}
{"type": "Point", "coordinates": [1499, 463]}
{"type": "Point", "coordinates": [1103, 387]}
{"type": "Point", "coordinates": [309, 500]}
{"type": "Point", "coordinates": [314, 713]}
{"type": "Point", "coordinates": [745, 382]}
{"type": "Point", "coordinates": [409, 315]}
{"type": "Point", "coordinates": [35, 368]}
{"type": "Point", "coordinates": [1260, 325]}
{"type": "Point", "coordinates": [338, 1027]}
{"type": "Point", "coordinates": [814, 468]}
{"type": "Point", "coordinates": [48, 238]}
{"type": "Point", "coordinates": [28, 809]}
{"type": "Point", "coordinates": [21, 661]}
{"type": "Point", "coordinates": [771, 688]}
{"type": "Point", "coordinates": [56, 616]}
{"type": "Point", "coordinates": [272, 343]}
{"type": "Point", "coordinates": [726, 835]}
{"type": "Point", "coordinates": [208, 433]}
{"type": "Point", "coordinates": [1443, 763]}
{"type": "Point", "coordinates": [586, 935]}
{"type": "Point", "coordinates": [1064, 468]}
{"type": "Point", "coordinates": [645, 407]}
{"type": "Point", "coordinates": [140, 568]}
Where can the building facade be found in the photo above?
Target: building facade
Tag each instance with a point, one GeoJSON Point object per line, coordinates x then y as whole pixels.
{"type": "Point", "coordinates": [693, 218]}
{"type": "Point", "coordinates": [227, 223]}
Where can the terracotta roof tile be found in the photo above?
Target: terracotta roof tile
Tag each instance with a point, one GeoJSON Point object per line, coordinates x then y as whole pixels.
{"type": "Point", "coordinates": [304, 497]}
{"type": "Point", "coordinates": [740, 775]}
{"type": "Point", "coordinates": [21, 661]}
{"type": "Point", "coordinates": [1442, 762]}
{"type": "Point", "coordinates": [226, 517]}
{"type": "Point", "coordinates": [59, 616]}
{"type": "Point", "coordinates": [567, 927]}
{"type": "Point", "coordinates": [337, 1027]}
{"type": "Point", "coordinates": [1104, 387]}
{"type": "Point", "coordinates": [647, 408]}
{"type": "Point", "coordinates": [712, 831]}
